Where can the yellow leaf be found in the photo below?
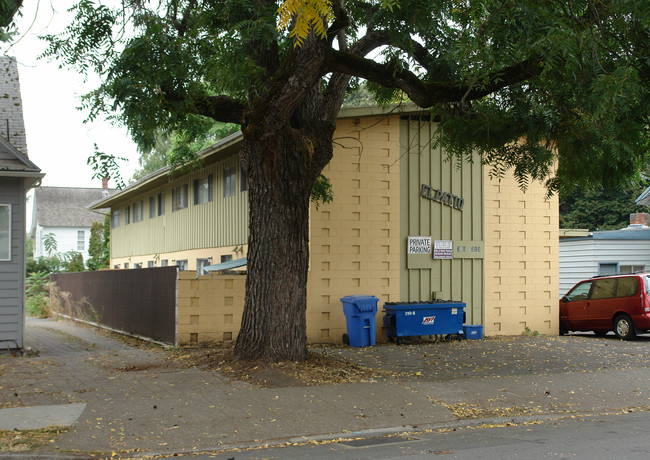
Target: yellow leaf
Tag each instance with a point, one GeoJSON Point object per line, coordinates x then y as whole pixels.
{"type": "Point", "coordinates": [308, 15]}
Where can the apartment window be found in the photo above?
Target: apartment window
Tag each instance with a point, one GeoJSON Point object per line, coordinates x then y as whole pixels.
{"type": "Point", "coordinates": [164, 263]}
{"type": "Point", "coordinates": [627, 269]}
{"type": "Point", "coordinates": [181, 264]}
{"type": "Point", "coordinates": [226, 258]}
{"type": "Point", "coordinates": [81, 240]}
{"type": "Point", "coordinates": [229, 181]}
{"type": "Point", "coordinates": [5, 232]}
{"type": "Point", "coordinates": [200, 265]}
{"type": "Point", "coordinates": [161, 204]}
{"type": "Point", "coordinates": [179, 198]}
{"type": "Point", "coordinates": [203, 190]}
{"type": "Point", "coordinates": [243, 179]}
{"type": "Point", "coordinates": [152, 207]}
{"type": "Point", "coordinates": [115, 218]}
{"type": "Point", "coordinates": [607, 269]}
{"type": "Point", "coordinates": [127, 215]}
{"type": "Point", "coordinates": [137, 211]}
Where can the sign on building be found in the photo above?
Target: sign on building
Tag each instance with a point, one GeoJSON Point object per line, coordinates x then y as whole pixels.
{"type": "Point", "coordinates": [419, 245]}
{"type": "Point", "coordinates": [443, 249]}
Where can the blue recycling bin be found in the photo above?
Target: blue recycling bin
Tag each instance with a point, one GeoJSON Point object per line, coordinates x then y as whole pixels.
{"type": "Point", "coordinates": [423, 318]}
{"type": "Point", "coordinates": [360, 311]}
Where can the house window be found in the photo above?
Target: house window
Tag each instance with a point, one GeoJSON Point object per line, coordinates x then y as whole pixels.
{"type": "Point", "coordinates": [243, 179]}
{"type": "Point", "coordinates": [5, 232]}
{"type": "Point", "coordinates": [164, 263]}
{"type": "Point", "coordinates": [127, 215]}
{"type": "Point", "coordinates": [126, 265]}
{"type": "Point", "coordinates": [181, 264]}
{"type": "Point", "coordinates": [151, 264]}
{"type": "Point", "coordinates": [179, 198]}
{"type": "Point", "coordinates": [116, 266]}
{"type": "Point", "coordinates": [161, 204]}
{"type": "Point", "coordinates": [137, 211]}
{"type": "Point", "coordinates": [152, 207]}
{"type": "Point", "coordinates": [607, 269]}
{"type": "Point", "coordinates": [200, 265]}
{"type": "Point", "coordinates": [226, 258]}
{"type": "Point", "coordinates": [203, 190]}
{"type": "Point", "coordinates": [138, 265]}
{"type": "Point", "coordinates": [81, 240]}
{"type": "Point", "coordinates": [229, 181]}
{"type": "Point", "coordinates": [627, 269]}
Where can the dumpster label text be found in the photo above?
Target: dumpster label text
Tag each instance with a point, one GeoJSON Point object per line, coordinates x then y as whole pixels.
{"type": "Point", "coordinates": [428, 320]}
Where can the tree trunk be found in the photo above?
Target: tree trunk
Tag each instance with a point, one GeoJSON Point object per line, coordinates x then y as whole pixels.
{"type": "Point", "coordinates": [274, 322]}
{"type": "Point", "coordinates": [287, 143]}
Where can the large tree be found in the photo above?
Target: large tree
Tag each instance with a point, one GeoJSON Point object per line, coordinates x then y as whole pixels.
{"type": "Point", "coordinates": [529, 84]}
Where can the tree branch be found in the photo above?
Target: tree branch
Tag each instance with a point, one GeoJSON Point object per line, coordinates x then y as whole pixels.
{"type": "Point", "coordinates": [181, 26]}
{"type": "Point", "coordinates": [339, 81]}
{"type": "Point", "coordinates": [219, 108]}
{"type": "Point", "coordinates": [427, 94]}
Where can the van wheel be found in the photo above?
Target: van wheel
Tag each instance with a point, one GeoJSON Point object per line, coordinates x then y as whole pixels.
{"type": "Point", "coordinates": [624, 328]}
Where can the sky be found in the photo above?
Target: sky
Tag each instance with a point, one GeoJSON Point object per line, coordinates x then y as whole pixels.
{"type": "Point", "coordinates": [58, 141]}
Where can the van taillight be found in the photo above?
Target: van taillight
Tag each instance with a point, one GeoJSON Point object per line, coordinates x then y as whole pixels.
{"type": "Point", "coordinates": [646, 304]}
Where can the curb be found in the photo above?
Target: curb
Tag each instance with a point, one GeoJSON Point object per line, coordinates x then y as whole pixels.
{"type": "Point", "coordinates": [410, 430]}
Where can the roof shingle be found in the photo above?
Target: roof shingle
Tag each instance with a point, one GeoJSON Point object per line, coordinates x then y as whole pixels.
{"type": "Point", "coordinates": [66, 206]}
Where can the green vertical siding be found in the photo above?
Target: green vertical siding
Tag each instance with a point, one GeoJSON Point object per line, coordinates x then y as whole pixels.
{"type": "Point", "coordinates": [221, 222]}
{"type": "Point", "coordinates": [459, 279]}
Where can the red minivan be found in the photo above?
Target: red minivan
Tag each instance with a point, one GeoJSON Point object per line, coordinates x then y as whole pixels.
{"type": "Point", "coordinates": [618, 303]}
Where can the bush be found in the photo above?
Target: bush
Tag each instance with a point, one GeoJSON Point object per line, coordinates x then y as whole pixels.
{"type": "Point", "coordinates": [74, 262]}
{"type": "Point", "coordinates": [37, 294]}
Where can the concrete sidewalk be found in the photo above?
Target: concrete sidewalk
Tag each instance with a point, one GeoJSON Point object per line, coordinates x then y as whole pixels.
{"type": "Point", "coordinates": [138, 403]}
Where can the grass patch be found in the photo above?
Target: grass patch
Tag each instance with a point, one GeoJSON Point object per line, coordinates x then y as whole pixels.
{"type": "Point", "coordinates": [27, 440]}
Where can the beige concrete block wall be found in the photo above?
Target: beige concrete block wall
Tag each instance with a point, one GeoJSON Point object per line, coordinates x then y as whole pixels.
{"type": "Point", "coordinates": [521, 258]}
{"type": "Point", "coordinates": [209, 308]}
{"type": "Point", "coordinates": [354, 240]}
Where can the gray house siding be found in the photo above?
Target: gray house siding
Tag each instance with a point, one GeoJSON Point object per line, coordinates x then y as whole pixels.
{"type": "Point", "coordinates": [12, 290]}
{"type": "Point", "coordinates": [580, 258]}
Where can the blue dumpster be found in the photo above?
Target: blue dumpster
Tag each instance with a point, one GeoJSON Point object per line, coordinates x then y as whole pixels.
{"type": "Point", "coordinates": [360, 311]}
{"type": "Point", "coordinates": [423, 318]}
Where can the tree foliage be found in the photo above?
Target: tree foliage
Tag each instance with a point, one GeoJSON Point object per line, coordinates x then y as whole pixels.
{"type": "Point", "coordinates": [176, 150]}
{"type": "Point", "coordinates": [8, 11]}
{"type": "Point", "coordinates": [97, 247]}
{"type": "Point", "coordinates": [554, 90]}
{"type": "Point", "coordinates": [601, 208]}
{"type": "Point", "coordinates": [568, 77]}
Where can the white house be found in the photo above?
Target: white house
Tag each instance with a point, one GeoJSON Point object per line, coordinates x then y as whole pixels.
{"type": "Point", "coordinates": [605, 252]}
{"type": "Point", "coordinates": [62, 212]}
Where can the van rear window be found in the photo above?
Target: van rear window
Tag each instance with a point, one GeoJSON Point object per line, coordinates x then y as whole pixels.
{"type": "Point", "coordinates": [626, 287]}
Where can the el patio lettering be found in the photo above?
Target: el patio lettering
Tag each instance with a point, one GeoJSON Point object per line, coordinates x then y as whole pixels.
{"type": "Point", "coordinates": [449, 199]}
